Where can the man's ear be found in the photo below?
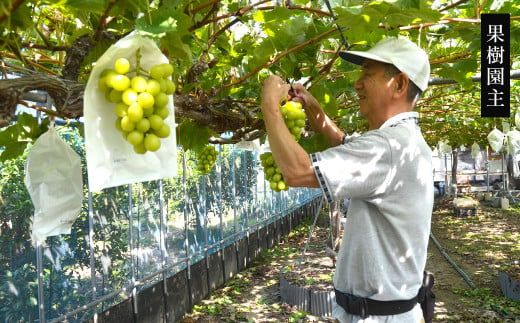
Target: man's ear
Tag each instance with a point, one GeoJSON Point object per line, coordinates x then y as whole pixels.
{"type": "Point", "coordinates": [402, 82]}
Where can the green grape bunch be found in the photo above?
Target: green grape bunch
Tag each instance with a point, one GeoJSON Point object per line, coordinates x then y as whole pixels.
{"type": "Point", "coordinates": [140, 102]}
{"type": "Point", "coordinates": [272, 173]}
{"type": "Point", "coordinates": [294, 117]}
{"type": "Point", "coordinates": [206, 159]}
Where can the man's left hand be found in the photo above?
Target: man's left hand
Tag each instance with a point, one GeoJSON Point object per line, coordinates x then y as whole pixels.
{"type": "Point", "coordinates": [274, 91]}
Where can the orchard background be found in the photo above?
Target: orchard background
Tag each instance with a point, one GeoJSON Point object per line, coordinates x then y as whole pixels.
{"type": "Point", "coordinates": [222, 50]}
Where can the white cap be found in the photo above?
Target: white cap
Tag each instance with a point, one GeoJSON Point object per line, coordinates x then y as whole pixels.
{"type": "Point", "coordinates": [399, 51]}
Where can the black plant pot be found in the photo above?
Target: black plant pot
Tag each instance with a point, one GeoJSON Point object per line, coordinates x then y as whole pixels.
{"type": "Point", "coordinates": [510, 287]}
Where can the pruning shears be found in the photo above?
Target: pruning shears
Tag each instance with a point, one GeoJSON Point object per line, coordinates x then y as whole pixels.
{"type": "Point", "coordinates": [290, 83]}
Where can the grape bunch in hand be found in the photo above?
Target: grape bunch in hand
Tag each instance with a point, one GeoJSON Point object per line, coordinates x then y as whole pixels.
{"type": "Point", "coordinates": [294, 118]}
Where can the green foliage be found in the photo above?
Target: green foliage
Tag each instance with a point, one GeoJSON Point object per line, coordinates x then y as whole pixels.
{"type": "Point", "coordinates": [315, 143]}
{"type": "Point", "coordinates": [15, 138]}
{"type": "Point", "coordinates": [297, 316]}
{"type": "Point", "coordinates": [193, 136]}
{"type": "Point", "coordinates": [484, 298]}
{"type": "Point", "coordinates": [161, 22]}
{"type": "Point", "coordinates": [18, 290]}
{"type": "Point", "coordinates": [19, 293]}
{"type": "Point", "coordinates": [15, 216]}
{"type": "Point", "coordinates": [251, 42]}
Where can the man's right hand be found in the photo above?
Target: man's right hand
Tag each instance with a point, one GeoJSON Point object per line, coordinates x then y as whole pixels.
{"type": "Point", "coordinates": [319, 121]}
{"type": "Point", "coordinates": [300, 94]}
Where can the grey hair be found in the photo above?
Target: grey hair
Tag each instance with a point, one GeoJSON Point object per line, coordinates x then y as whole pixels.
{"type": "Point", "coordinates": [414, 93]}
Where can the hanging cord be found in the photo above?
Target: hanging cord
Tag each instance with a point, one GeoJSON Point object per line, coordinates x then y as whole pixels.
{"type": "Point", "coordinates": [318, 210]}
{"type": "Point", "coordinates": [331, 228]}
{"type": "Point", "coordinates": [344, 43]}
{"type": "Point", "coordinates": [452, 263]}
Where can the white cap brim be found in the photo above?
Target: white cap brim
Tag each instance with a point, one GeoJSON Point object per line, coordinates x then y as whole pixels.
{"type": "Point", "coordinates": [358, 57]}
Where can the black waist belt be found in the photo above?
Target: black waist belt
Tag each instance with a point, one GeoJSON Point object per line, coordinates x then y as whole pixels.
{"type": "Point", "coordinates": [366, 306]}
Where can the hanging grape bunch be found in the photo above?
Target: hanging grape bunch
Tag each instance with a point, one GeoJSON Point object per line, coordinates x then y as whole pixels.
{"type": "Point", "coordinates": [206, 159]}
{"type": "Point", "coordinates": [294, 118]}
{"type": "Point", "coordinates": [141, 99]}
{"type": "Point", "coordinates": [272, 173]}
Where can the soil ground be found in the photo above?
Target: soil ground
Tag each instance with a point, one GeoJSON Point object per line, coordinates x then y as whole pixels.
{"type": "Point", "coordinates": [477, 245]}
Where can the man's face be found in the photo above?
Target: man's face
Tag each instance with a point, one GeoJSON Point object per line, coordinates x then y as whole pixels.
{"type": "Point", "coordinates": [374, 88]}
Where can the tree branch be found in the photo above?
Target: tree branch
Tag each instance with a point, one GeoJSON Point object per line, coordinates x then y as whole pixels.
{"type": "Point", "coordinates": [237, 13]}
{"type": "Point", "coordinates": [29, 62]}
{"type": "Point", "coordinates": [441, 22]}
{"type": "Point", "coordinates": [450, 58]}
{"type": "Point", "coordinates": [221, 115]}
{"type": "Point", "coordinates": [206, 20]}
{"type": "Point", "coordinates": [51, 48]}
{"type": "Point", "coordinates": [202, 6]}
{"type": "Point", "coordinates": [247, 136]}
{"type": "Point", "coordinates": [292, 7]}
{"type": "Point", "coordinates": [244, 10]}
{"type": "Point", "coordinates": [452, 5]}
{"type": "Point", "coordinates": [514, 75]}
{"type": "Point", "coordinates": [103, 20]}
{"type": "Point", "coordinates": [67, 96]}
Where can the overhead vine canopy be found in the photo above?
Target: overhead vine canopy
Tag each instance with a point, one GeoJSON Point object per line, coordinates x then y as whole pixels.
{"type": "Point", "coordinates": [222, 50]}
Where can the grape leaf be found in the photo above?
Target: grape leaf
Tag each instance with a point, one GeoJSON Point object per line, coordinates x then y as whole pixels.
{"type": "Point", "coordinates": [29, 128]}
{"type": "Point", "coordinates": [193, 136]}
{"type": "Point", "coordinates": [176, 47]}
{"type": "Point", "coordinates": [13, 150]}
{"type": "Point", "coordinates": [89, 5]}
{"type": "Point", "coordinates": [316, 143]}
{"type": "Point", "coordinates": [326, 99]}
{"type": "Point", "coordinates": [158, 22]}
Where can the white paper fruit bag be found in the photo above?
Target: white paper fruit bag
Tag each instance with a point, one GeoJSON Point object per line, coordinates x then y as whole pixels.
{"type": "Point", "coordinates": [55, 184]}
{"type": "Point", "coordinates": [496, 139]}
{"type": "Point", "coordinates": [475, 150]}
{"type": "Point", "coordinates": [513, 141]}
{"type": "Point", "coordinates": [111, 159]}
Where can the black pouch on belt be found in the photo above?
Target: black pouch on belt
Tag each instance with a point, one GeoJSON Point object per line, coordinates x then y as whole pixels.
{"type": "Point", "coordinates": [427, 297]}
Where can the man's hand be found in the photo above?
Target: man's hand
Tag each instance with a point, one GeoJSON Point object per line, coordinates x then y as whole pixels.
{"type": "Point", "coordinates": [274, 92]}
{"type": "Point", "coordinates": [319, 121]}
{"type": "Point", "coordinates": [291, 158]}
{"type": "Point", "coordinates": [298, 93]}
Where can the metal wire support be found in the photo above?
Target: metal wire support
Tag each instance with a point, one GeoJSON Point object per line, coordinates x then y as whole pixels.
{"type": "Point", "coordinates": [344, 40]}
{"type": "Point", "coordinates": [318, 210]}
{"type": "Point", "coordinates": [39, 266]}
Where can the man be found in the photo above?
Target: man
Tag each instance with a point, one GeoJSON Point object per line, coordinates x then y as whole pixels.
{"type": "Point", "coordinates": [386, 174]}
